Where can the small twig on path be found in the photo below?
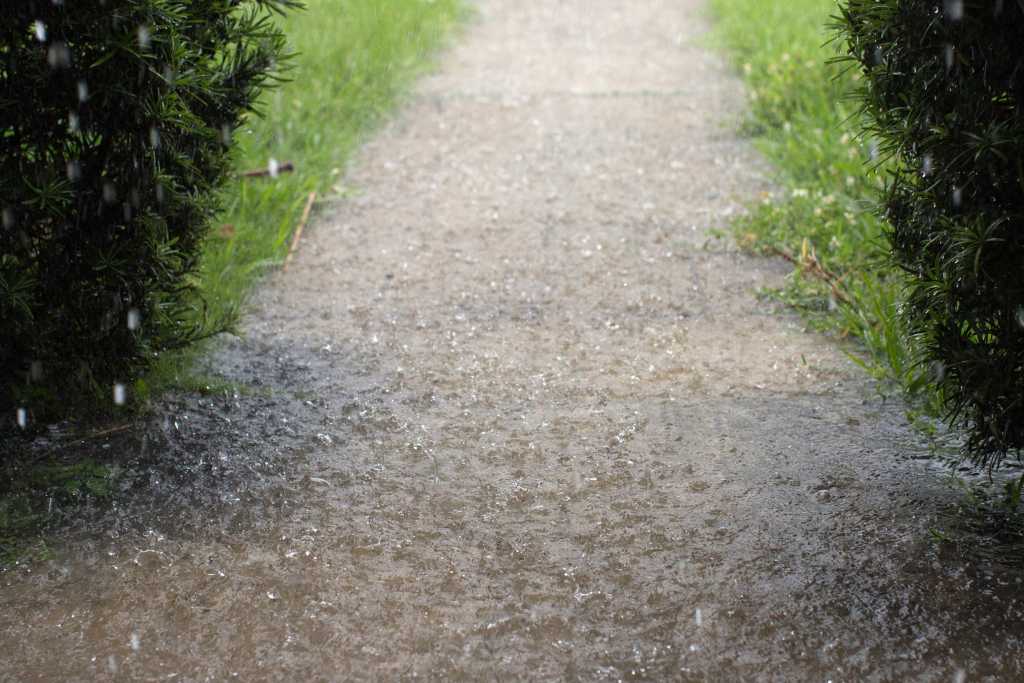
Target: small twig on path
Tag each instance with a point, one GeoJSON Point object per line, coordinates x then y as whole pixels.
{"type": "Point", "coordinates": [298, 231]}
{"type": "Point", "coordinates": [811, 264]}
{"type": "Point", "coordinates": [84, 438]}
{"type": "Point", "coordinates": [283, 167]}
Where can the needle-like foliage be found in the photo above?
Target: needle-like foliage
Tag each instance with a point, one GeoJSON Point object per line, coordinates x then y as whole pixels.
{"type": "Point", "coordinates": [944, 95]}
{"type": "Point", "coordinates": [116, 119]}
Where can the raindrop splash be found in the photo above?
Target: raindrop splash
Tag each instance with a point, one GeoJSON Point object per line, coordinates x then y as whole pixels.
{"type": "Point", "coordinates": [58, 56]}
{"type": "Point", "coordinates": [74, 171]}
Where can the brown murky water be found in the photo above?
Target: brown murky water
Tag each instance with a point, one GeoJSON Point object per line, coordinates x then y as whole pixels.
{"type": "Point", "coordinates": [528, 422]}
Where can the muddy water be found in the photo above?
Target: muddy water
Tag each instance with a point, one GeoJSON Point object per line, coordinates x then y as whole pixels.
{"type": "Point", "coordinates": [526, 420]}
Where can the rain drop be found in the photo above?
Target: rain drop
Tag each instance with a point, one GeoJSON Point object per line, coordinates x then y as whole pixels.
{"type": "Point", "coordinates": [8, 217]}
{"type": "Point", "coordinates": [958, 197]}
{"type": "Point", "coordinates": [134, 319]}
{"type": "Point", "coordinates": [83, 90]}
{"type": "Point", "coordinates": [154, 137]}
{"type": "Point", "coordinates": [955, 9]}
{"type": "Point", "coordinates": [1020, 316]}
{"type": "Point", "coordinates": [225, 134]}
{"type": "Point", "coordinates": [35, 371]}
{"type": "Point", "coordinates": [22, 417]}
{"type": "Point", "coordinates": [58, 56]}
{"type": "Point", "coordinates": [938, 372]}
{"type": "Point", "coordinates": [135, 641]}
{"type": "Point", "coordinates": [119, 394]}
{"type": "Point", "coordinates": [274, 168]}
{"type": "Point", "coordinates": [159, 193]}
{"type": "Point", "coordinates": [74, 171]}
{"type": "Point", "coordinates": [72, 122]}
{"type": "Point", "coordinates": [109, 193]}
{"type": "Point", "coordinates": [40, 29]}
{"type": "Point", "coordinates": [926, 164]}
{"type": "Point", "coordinates": [144, 37]}
{"type": "Point", "coordinates": [950, 57]}
{"type": "Point", "coordinates": [697, 616]}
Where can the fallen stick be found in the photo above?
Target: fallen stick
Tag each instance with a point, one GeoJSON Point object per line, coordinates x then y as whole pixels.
{"type": "Point", "coordinates": [283, 167]}
{"type": "Point", "coordinates": [298, 232]}
{"type": "Point", "coordinates": [813, 265]}
{"type": "Point", "coordinates": [72, 443]}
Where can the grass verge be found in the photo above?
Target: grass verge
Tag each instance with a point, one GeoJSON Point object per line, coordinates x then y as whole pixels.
{"type": "Point", "coordinates": [825, 221]}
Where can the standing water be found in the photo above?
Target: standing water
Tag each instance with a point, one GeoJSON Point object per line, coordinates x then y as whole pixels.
{"type": "Point", "coordinates": [528, 421]}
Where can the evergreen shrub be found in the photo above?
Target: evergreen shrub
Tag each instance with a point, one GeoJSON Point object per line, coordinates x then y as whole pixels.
{"type": "Point", "coordinates": [942, 93]}
{"type": "Point", "coordinates": [117, 118]}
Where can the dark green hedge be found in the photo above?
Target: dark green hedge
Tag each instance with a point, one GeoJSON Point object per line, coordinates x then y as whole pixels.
{"type": "Point", "coordinates": [943, 91]}
{"type": "Point", "coordinates": [116, 117]}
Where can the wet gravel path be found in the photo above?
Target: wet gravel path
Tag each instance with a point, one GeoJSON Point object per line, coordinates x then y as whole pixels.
{"type": "Point", "coordinates": [528, 421]}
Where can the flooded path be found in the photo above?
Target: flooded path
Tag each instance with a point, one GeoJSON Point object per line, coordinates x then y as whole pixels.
{"type": "Point", "coordinates": [528, 421]}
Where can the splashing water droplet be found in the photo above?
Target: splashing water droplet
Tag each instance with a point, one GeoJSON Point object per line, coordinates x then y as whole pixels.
{"type": "Point", "coordinates": [58, 56]}
{"type": "Point", "coordinates": [119, 394]}
{"type": "Point", "coordinates": [40, 29]}
{"type": "Point", "coordinates": [22, 417]}
{"type": "Point", "coordinates": [134, 319]}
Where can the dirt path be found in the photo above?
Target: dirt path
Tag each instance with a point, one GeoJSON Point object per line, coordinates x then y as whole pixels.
{"type": "Point", "coordinates": [531, 423]}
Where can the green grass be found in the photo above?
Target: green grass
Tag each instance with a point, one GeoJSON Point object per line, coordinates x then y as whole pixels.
{"type": "Point", "coordinates": [801, 117]}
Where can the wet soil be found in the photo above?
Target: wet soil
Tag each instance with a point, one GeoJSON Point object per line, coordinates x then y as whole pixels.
{"type": "Point", "coordinates": [526, 419]}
